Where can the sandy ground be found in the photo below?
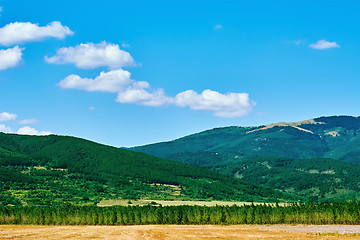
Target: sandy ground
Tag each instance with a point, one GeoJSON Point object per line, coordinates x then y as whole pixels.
{"type": "Point", "coordinates": [172, 232]}
{"type": "Point", "coordinates": [341, 229]}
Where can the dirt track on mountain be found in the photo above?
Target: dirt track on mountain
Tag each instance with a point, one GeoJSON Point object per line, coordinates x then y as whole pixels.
{"type": "Point", "coordinates": [176, 232]}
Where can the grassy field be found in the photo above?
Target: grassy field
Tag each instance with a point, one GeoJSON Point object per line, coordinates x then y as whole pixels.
{"type": "Point", "coordinates": [164, 232]}
{"type": "Point", "coordinates": [121, 202]}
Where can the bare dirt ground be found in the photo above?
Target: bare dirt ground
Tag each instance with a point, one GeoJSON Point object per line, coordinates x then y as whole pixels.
{"type": "Point", "coordinates": [173, 232]}
{"type": "Point", "coordinates": [341, 229]}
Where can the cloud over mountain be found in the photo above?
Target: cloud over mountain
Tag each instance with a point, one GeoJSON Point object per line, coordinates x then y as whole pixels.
{"type": "Point", "coordinates": [223, 105]}
{"type": "Point", "coordinates": [117, 80]}
{"type": "Point", "coordinates": [5, 129]}
{"type": "Point", "coordinates": [32, 131]}
{"type": "Point", "coordinates": [140, 92]}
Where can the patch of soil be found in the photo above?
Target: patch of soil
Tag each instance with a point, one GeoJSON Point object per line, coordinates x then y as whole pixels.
{"type": "Point", "coordinates": [162, 232]}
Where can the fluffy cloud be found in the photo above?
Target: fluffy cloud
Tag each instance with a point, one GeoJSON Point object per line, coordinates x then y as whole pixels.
{"type": "Point", "coordinates": [129, 91]}
{"type": "Point", "coordinates": [223, 105]}
{"type": "Point", "coordinates": [4, 117]}
{"type": "Point", "coordinates": [112, 81]}
{"type": "Point", "coordinates": [141, 96]}
{"type": "Point", "coordinates": [92, 55]}
{"type": "Point", "coordinates": [20, 32]}
{"type": "Point", "coordinates": [32, 131]}
{"type": "Point", "coordinates": [10, 57]}
{"type": "Point", "coordinates": [323, 44]}
{"type": "Point", "coordinates": [140, 92]}
{"type": "Point", "coordinates": [5, 129]}
{"type": "Point", "coordinates": [28, 121]}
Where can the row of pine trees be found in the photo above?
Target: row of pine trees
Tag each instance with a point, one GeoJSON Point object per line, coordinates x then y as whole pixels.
{"type": "Point", "coordinates": [310, 213]}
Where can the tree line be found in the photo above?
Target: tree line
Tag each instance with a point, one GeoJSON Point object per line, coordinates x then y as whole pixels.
{"type": "Point", "coordinates": [296, 213]}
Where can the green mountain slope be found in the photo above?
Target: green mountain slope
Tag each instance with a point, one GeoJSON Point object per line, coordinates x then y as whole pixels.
{"type": "Point", "coordinates": [325, 179]}
{"type": "Point", "coordinates": [227, 149]}
{"type": "Point", "coordinates": [335, 137]}
{"type": "Point", "coordinates": [54, 169]}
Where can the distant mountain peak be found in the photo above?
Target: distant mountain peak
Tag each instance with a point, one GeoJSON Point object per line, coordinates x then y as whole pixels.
{"type": "Point", "coordinates": [337, 137]}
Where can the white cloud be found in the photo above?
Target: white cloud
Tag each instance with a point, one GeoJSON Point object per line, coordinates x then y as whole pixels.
{"type": "Point", "coordinates": [323, 44]}
{"type": "Point", "coordinates": [141, 93]}
{"type": "Point", "coordinates": [129, 91]}
{"type": "Point", "coordinates": [32, 131]}
{"type": "Point", "coordinates": [28, 121]}
{"type": "Point", "coordinates": [10, 57]}
{"type": "Point", "coordinates": [141, 96]}
{"type": "Point", "coordinates": [218, 27]}
{"type": "Point", "coordinates": [223, 105]}
{"type": "Point", "coordinates": [5, 129]}
{"type": "Point", "coordinates": [4, 117]}
{"type": "Point", "coordinates": [20, 32]}
{"type": "Point", "coordinates": [112, 81]}
{"type": "Point", "coordinates": [91, 55]}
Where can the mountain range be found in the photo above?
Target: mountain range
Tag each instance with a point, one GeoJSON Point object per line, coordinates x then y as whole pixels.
{"type": "Point", "coordinates": [50, 170]}
{"type": "Point", "coordinates": [311, 160]}
{"type": "Point", "coordinates": [317, 158]}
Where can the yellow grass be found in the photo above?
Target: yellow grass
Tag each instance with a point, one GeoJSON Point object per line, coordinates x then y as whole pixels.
{"type": "Point", "coordinates": [160, 232]}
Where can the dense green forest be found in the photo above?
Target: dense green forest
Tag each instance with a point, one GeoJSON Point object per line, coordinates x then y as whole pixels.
{"type": "Point", "coordinates": [335, 137]}
{"type": "Point", "coordinates": [323, 213]}
{"type": "Point", "coordinates": [316, 159]}
{"type": "Point", "coordinates": [51, 170]}
{"type": "Point", "coordinates": [314, 179]}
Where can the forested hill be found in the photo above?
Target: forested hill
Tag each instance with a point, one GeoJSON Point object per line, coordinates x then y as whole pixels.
{"type": "Point", "coordinates": [44, 170]}
{"type": "Point", "coordinates": [335, 137]}
{"type": "Point", "coordinates": [317, 158]}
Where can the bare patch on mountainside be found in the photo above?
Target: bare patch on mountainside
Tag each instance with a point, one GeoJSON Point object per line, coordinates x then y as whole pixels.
{"type": "Point", "coordinates": [291, 124]}
{"type": "Point", "coordinates": [333, 133]}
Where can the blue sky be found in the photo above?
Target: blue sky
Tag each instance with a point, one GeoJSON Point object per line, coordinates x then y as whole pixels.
{"type": "Point", "coordinates": [128, 73]}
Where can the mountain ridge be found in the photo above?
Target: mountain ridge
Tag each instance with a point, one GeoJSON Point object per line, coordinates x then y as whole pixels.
{"type": "Point", "coordinates": [330, 143]}
{"type": "Point", "coordinates": [47, 170]}
{"type": "Point", "coordinates": [327, 134]}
